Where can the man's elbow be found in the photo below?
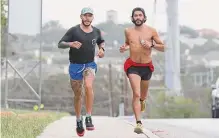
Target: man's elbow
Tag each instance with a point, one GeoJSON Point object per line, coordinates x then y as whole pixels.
{"type": "Point", "coordinates": [59, 46]}
{"type": "Point", "coordinates": [160, 47]}
{"type": "Point", "coordinates": [163, 48]}
{"type": "Point", "coordinates": [62, 45]}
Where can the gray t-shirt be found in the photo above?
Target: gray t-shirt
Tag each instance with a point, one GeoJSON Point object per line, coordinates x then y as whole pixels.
{"type": "Point", "coordinates": [86, 52]}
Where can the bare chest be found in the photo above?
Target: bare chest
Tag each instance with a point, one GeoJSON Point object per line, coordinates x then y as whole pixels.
{"type": "Point", "coordinates": [135, 37]}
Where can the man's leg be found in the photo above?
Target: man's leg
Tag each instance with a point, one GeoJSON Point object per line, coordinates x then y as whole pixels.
{"type": "Point", "coordinates": [89, 75]}
{"type": "Point", "coordinates": [135, 81]}
{"type": "Point", "coordinates": [76, 86]}
{"type": "Point", "coordinates": [144, 93]}
{"type": "Point", "coordinates": [144, 87]}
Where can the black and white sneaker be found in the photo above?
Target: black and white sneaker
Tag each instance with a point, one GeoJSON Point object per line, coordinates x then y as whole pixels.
{"type": "Point", "coordinates": [80, 129]}
{"type": "Point", "coordinates": [88, 123]}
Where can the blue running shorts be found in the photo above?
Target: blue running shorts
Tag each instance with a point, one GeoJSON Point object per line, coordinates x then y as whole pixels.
{"type": "Point", "coordinates": [76, 71]}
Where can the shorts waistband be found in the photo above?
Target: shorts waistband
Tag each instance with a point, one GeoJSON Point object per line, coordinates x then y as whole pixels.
{"type": "Point", "coordinates": [72, 62]}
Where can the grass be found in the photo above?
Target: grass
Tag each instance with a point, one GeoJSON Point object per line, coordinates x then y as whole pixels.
{"type": "Point", "coordinates": [26, 124]}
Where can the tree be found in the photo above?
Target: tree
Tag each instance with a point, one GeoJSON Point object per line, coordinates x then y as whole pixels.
{"type": "Point", "coordinates": [3, 13]}
{"type": "Point", "coordinates": [3, 25]}
{"type": "Point", "coordinates": [113, 31]}
{"type": "Point", "coordinates": [52, 32]}
{"type": "Point", "coordinates": [189, 31]}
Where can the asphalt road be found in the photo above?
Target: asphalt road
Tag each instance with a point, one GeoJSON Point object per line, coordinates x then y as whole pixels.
{"type": "Point", "coordinates": [122, 127]}
{"type": "Point", "coordinates": [182, 128]}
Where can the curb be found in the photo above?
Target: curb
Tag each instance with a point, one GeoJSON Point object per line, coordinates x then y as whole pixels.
{"type": "Point", "coordinates": [146, 132]}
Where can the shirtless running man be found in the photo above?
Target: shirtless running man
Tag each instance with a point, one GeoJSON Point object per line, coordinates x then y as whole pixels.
{"type": "Point", "coordinates": [139, 66]}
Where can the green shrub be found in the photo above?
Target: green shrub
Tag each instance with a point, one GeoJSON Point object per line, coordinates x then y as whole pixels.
{"type": "Point", "coordinates": [175, 107]}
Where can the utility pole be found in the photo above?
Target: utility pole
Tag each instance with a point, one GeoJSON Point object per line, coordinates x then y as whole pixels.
{"type": "Point", "coordinates": [154, 13]}
{"type": "Point", "coordinates": [122, 94]}
{"type": "Point", "coordinates": [172, 53]}
{"type": "Point", "coordinates": [110, 90]}
{"type": "Point", "coordinates": [126, 94]}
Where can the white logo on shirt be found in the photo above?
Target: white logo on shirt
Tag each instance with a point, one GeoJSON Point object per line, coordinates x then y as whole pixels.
{"type": "Point", "coordinates": [94, 42]}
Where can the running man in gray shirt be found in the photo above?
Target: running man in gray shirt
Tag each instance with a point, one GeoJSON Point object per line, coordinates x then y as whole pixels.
{"type": "Point", "coordinates": [81, 41]}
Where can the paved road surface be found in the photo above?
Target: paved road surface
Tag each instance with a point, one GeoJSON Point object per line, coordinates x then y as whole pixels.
{"type": "Point", "coordinates": [182, 128]}
{"type": "Point", "coordinates": [200, 128]}
{"type": "Point", "coordinates": [122, 127]}
{"type": "Point", "coordinates": [105, 127]}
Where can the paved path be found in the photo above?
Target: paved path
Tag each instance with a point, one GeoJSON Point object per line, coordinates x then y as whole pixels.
{"type": "Point", "coordinates": [184, 128]}
{"type": "Point", "coordinates": [122, 127]}
{"type": "Point", "coordinates": [105, 127]}
{"type": "Point", "coordinates": [181, 128]}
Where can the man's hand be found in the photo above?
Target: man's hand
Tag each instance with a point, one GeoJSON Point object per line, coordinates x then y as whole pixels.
{"type": "Point", "coordinates": [100, 53]}
{"type": "Point", "coordinates": [146, 44]}
{"type": "Point", "coordinates": [123, 48]}
{"type": "Point", "coordinates": [75, 44]}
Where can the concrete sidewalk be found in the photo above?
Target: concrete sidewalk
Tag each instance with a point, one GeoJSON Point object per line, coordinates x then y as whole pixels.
{"type": "Point", "coordinates": [105, 127]}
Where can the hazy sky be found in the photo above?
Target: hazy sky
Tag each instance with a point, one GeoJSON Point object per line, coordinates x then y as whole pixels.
{"type": "Point", "coordinates": [194, 13]}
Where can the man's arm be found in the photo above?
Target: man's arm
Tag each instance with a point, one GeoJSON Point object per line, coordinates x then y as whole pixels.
{"type": "Point", "coordinates": [100, 41]}
{"type": "Point", "coordinates": [102, 46]}
{"type": "Point", "coordinates": [64, 45]}
{"type": "Point", "coordinates": [65, 41]}
{"type": "Point", "coordinates": [126, 39]}
{"type": "Point", "coordinates": [159, 45]}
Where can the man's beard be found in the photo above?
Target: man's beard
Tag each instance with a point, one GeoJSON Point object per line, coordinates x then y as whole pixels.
{"type": "Point", "coordinates": [138, 24]}
{"type": "Point", "coordinates": [83, 22]}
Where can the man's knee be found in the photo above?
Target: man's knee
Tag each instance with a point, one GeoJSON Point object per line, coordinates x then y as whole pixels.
{"type": "Point", "coordinates": [88, 78]}
{"type": "Point", "coordinates": [77, 97]}
{"type": "Point", "coordinates": [143, 91]}
{"type": "Point", "coordinates": [88, 86]}
{"type": "Point", "coordinates": [136, 95]}
{"type": "Point", "coordinates": [88, 83]}
{"type": "Point", "coordinates": [76, 86]}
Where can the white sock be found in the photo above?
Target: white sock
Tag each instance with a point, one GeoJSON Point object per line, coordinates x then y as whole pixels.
{"type": "Point", "coordinates": [88, 115]}
{"type": "Point", "coordinates": [79, 118]}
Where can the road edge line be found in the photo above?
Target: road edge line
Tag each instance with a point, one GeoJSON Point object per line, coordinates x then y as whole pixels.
{"type": "Point", "coordinates": [147, 132]}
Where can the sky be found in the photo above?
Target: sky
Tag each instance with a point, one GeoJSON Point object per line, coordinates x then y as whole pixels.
{"type": "Point", "coordinates": [193, 13]}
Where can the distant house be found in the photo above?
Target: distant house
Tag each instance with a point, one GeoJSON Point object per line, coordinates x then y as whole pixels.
{"type": "Point", "coordinates": [112, 16]}
{"type": "Point", "coordinates": [208, 32]}
{"type": "Point", "coordinates": [212, 59]}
